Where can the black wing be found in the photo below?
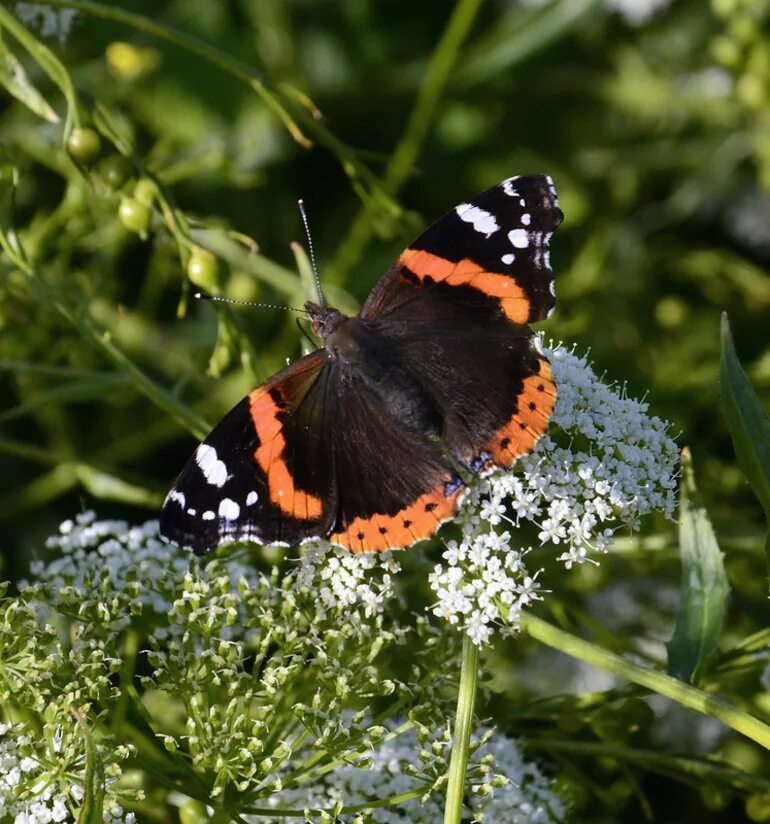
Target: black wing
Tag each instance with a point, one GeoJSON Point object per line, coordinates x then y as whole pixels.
{"type": "Point", "coordinates": [266, 472]}
{"type": "Point", "coordinates": [455, 308]}
{"type": "Point", "coordinates": [394, 486]}
{"type": "Point", "coordinates": [497, 244]}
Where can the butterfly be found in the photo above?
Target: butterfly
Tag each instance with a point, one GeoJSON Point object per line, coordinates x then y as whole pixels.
{"type": "Point", "coordinates": [371, 441]}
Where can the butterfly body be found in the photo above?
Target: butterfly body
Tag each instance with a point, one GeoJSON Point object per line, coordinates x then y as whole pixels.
{"type": "Point", "coordinates": [371, 440]}
{"type": "Point", "coordinates": [365, 359]}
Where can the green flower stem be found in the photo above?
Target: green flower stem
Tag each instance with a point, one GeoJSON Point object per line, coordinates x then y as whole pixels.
{"type": "Point", "coordinates": [466, 699]}
{"type": "Point", "coordinates": [316, 766]}
{"type": "Point", "coordinates": [683, 694]}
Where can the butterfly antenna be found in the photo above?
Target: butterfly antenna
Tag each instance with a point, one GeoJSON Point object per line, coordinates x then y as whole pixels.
{"type": "Point", "coordinates": [204, 296]}
{"type": "Point", "coordinates": [321, 297]}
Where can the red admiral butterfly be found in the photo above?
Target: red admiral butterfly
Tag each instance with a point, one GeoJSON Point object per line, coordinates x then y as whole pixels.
{"type": "Point", "coordinates": [370, 442]}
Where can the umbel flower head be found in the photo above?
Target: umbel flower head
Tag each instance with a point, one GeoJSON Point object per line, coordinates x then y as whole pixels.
{"type": "Point", "coordinates": [604, 464]}
{"type": "Point", "coordinates": [502, 786]}
{"type": "Point", "coordinates": [264, 683]}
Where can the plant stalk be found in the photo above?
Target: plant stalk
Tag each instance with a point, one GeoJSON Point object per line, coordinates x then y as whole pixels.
{"type": "Point", "coordinates": [466, 699]}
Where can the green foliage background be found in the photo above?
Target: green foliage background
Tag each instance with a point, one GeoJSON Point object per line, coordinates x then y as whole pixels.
{"type": "Point", "coordinates": [657, 136]}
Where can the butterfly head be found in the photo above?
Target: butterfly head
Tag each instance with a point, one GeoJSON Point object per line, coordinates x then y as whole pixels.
{"type": "Point", "coordinates": [324, 319]}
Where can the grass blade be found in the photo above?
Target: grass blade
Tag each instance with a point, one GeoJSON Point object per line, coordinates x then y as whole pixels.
{"type": "Point", "coordinates": [748, 422]}
{"type": "Point", "coordinates": [17, 83]}
{"type": "Point", "coordinates": [704, 585]}
{"type": "Point", "coordinates": [518, 36]}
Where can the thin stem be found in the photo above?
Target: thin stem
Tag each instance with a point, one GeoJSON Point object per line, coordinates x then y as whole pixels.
{"type": "Point", "coordinates": [659, 682]}
{"type": "Point", "coordinates": [404, 157]}
{"type": "Point", "coordinates": [466, 699]}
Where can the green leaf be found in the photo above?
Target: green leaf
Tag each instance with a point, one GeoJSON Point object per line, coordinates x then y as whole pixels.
{"type": "Point", "coordinates": [520, 34]}
{"type": "Point", "coordinates": [748, 422]}
{"type": "Point", "coordinates": [17, 83]}
{"type": "Point", "coordinates": [704, 585]}
{"type": "Point", "coordinates": [108, 487]}
{"type": "Point", "coordinates": [92, 809]}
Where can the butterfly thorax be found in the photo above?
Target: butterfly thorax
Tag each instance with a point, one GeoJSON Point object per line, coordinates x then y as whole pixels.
{"type": "Point", "coordinates": [366, 356]}
{"type": "Point", "coordinates": [347, 339]}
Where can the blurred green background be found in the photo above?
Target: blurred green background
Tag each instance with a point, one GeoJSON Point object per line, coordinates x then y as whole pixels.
{"type": "Point", "coordinates": [652, 117]}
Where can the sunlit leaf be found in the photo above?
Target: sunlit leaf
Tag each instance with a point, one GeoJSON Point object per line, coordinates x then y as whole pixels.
{"type": "Point", "coordinates": [111, 488]}
{"type": "Point", "coordinates": [748, 422]}
{"type": "Point", "coordinates": [17, 83]}
{"type": "Point", "coordinates": [704, 585]}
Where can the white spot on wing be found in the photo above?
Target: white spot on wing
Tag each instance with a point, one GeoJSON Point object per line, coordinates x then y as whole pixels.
{"type": "Point", "coordinates": [519, 238]}
{"type": "Point", "coordinates": [509, 188]}
{"type": "Point", "coordinates": [208, 515]}
{"type": "Point", "coordinates": [483, 222]}
{"type": "Point", "coordinates": [526, 219]}
{"type": "Point", "coordinates": [228, 509]}
{"type": "Point", "coordinates": [192, 511]}
{"type": "Point", "coordinates": [508, 259]}
{"type": "Point", "coordinates": [214, 470]}
{"type": "Point", "coordinates": [251, 498]}
{"type": "Point", "coordinates": [178, 497]}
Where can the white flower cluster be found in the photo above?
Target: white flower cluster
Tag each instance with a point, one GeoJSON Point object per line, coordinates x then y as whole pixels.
{"type": "Point", "coordinates": [343, 582]}
{"type": "Point", "coordinates": [120, 571]}
{"type": "Point", "coordinates": [504, 787]}
{"type": "Point", "coordinates": [619, 464]}
{"type": "Point", "coordinates": [28, 795]}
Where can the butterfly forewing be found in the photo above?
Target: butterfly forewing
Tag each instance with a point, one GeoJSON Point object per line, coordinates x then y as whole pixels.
{"type": "Point", "coordinates": [264, 473]}
{"type": "Point", "coordinates": [496, 243]}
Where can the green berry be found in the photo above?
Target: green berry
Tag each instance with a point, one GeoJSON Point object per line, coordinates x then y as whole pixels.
{"type": "Point", "coordinates": [135, 216]}
{"type": "Point", "coordinates": [144, 191]}
{"type": "Point", "coordinates": [203, 270]}
{"type": "Point", "coordinates": [115, 170]}
{"type": "Point", "coordinates": [84, 144]}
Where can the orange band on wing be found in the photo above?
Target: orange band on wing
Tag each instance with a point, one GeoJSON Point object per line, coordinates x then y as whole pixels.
{"type": "Point", "coordinates": [413, 523]}
{"type": "Point", "coordinates": [521, 433]}
{"type": "Point", "coordinates": [513, 299]}
{"type": "Point", "coordinates": [269, 455]}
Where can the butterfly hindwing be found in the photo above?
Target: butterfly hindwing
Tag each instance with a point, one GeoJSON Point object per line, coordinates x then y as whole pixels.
{"type": "Point", "coordinates": [395, 486]}
{"type": "Point", "coordinates": [491, 385]}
